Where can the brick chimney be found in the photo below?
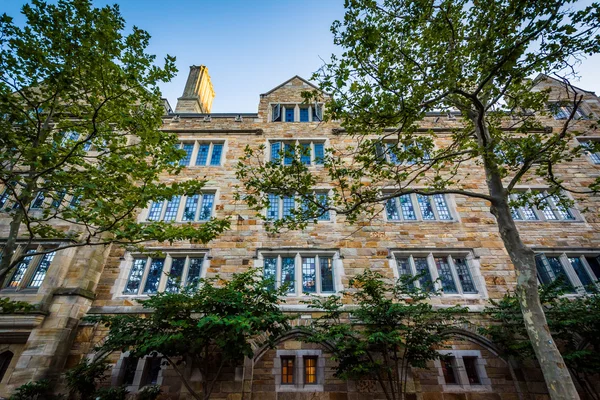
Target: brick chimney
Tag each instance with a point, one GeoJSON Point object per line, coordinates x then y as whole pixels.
{"type": "Point", "coordinates": [198, 93]}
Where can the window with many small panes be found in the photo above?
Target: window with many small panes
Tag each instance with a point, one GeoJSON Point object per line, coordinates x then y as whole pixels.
{"type": "Point", "coordinates": [198, 207]}
{"type": "Point", "coordinates": [578, 272]}
{"type": "Point", "coordinates": [417, 207]}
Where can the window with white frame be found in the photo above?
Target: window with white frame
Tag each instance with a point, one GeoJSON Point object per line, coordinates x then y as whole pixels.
{"type": "Point", "coordinates": [297, 112]}
{"type": "Point", "coordinates": [284, 206]}
{"type": "Point", "coordinates": [299, 370]}
{"type": "Point", "coordinates": [418, 207]}
{"type": "Point", "coordinates": [390, 152]}
{"type": "Point", "coordinates": [199, 207]}
{"type": "Point", "coordinates": [453, 273]}
{"type": "Point", "coordinates": [201, 153]}
{"type": "Point", "coordinates": [563, 110]}
{"type": "Point", "coordinates": [592, 146]}
{"type": "Point", "coordinates": [171, 272]}
{"type": "Point", "coordinates": [579, 272]}
{"type": "Point", "coordinates": [549, 209]}
{"type": "Point", "coordinates": [302, 271]}
{"type": "Point", "coordinates": [462, 370]}
{"type": "Point", "coordinates": [31, 271]}
{"type": "Point", "coordinates": [308, 152]}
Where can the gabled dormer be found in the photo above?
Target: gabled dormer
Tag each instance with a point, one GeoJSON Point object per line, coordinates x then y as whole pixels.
{"type": "Point", "coordinates": [285, 104]}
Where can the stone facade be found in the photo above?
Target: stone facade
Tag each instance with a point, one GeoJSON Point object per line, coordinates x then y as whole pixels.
{"type": "Point", "coordinates": [93, 281]}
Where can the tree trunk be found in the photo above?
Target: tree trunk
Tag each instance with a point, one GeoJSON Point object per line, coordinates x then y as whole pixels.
{"type": "Point", "coordinates": [558, 379]}
{"type": "Point", "coordinates": [11, 245]}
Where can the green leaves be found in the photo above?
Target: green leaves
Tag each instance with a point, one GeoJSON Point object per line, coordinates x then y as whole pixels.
{"type": "Point", "coordinates": [220, 323]}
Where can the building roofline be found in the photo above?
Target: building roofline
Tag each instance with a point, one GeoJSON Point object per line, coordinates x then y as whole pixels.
{"type": "Point", "coordinates": [212, 115]}
{"type": "Point", "coordinates": [544, 76]}
{"type": "Point", "coordinates": [286, 82]}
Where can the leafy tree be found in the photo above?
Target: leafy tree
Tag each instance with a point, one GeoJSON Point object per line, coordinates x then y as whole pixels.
{"type": "Point", "coordinates": [40, 390]}
{"type": "Point", "coordinates": [574, 323]}
{"type": "Point", "coordinates": [80, 147]}
{"type": "Point", "coordinates": [392, 329]}
{"type": "Point", "coordinates": [402, 58]}
{"type": "Point", "coordinates": [216, 325]}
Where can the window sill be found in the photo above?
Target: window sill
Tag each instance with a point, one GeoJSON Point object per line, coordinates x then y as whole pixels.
{"type": "Point", "coordinates": [298, 388]}
{"type": "Point", "coordinates": [412, 221]}
{"type": "Point", "coordinates": [551, 221]}
{"type": "Point", "coordinates": [466, 388]}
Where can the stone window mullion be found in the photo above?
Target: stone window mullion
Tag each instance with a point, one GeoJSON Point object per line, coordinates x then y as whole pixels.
{"type": "Point", "coordinates": [144, 275]}
{"type": "Point", "coordinates": [162, 283]}
{"type": "Point", "coordinates": [457, 282]}
{"type": "Point", "coordinates": [566, 264]}
{"type": "Point", "coordinates": [433, 272]}
{"type": "Point", "coordinates": [31, 269]}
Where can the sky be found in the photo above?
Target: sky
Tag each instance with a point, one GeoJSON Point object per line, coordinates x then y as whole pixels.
{"type": "Point", "coordinates": [249, 46]}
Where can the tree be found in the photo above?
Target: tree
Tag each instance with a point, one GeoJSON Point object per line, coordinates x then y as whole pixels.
{"type": "Point", "coordinates": [574, 323]}
{"type": "Point", "coordinates": [216, 325]}
{"type": "Point", "coordinates": [80, 147]}
{"type": "Point", "coordinates": [392, 329]}
{"type": "Point", "coordinates": [402, 58]}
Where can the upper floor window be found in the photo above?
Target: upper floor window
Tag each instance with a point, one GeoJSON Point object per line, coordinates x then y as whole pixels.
{"type": "Point", "coordinates": [198, 207]}
{"type": "Point", "coordinates": [563, 110]}
{"type": "Point", "coordinates": [578, 272]}
{"type": "Point", "coordinates": [390, 152]}
{"type": "Point", "coordinates": [549, 209]}
{"type": "Point", "coordinates": [200, 153]}
{"type": "Point", "coordinates": [284, 206]}
{"type": "Point", "coordinates": [297, 112]}
{"type": "Point", "coordinates": [454, 271]}
{"type": "Point", "coordinates": [306, 271]}
{"type": "Point", "coordinates": [418, 207]}
{"type": "Point", "coordinates": [31, 271]}
{"type": "Point", "coordinates": [150, 275]}
{"type": "Point", "coordinates": [592, 148]}
{"type": "Point", "coordinates": [310, 152]}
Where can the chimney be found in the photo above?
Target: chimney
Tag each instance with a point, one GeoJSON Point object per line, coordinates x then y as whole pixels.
{"type": "Point", "coordinates": [198, 94]}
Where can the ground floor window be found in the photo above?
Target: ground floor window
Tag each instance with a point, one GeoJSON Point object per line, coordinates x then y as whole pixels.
{"type": "Point", "coordinates": [462, 370]}
{"type": "Point", "coordinates": [299, 371]}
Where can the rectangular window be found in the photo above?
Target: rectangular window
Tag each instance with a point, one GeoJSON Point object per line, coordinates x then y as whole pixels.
{"type": "Point", "coordinates": [301, 273]}
{"type": "Point", "coordinates": [308, 152]}
{"type": "Point", "coordinates": [431, 208]}
{"type": "Point", "coordinates": [449, 372]}
{"type": "Point", "coordinates": [578, 272]}
{"type": "Point", "coordinates": [287, 370]}
{"type": "Point", "coordinates": [32, 267]}
{"type": "Point", "coordinates": [471, 370]}
{"type": "Point", "coordinates": [40, 271]}
{"type": "Point", "coordinates": [172, 272]}
{"type": "Point", "coordinates": [151, 371]}
{"type": "Point", "coordinates": [21, 269]}
{"type": "Point", "coordinates": [548, 209]}
{"type": "Point", "coordinates": [209, 153]}
{"type": "Point", "coordinates": [398, 154]}
{"type": "Point", "coordinates": [189, 149]}
{"type": "Point", "coordinates": [454, 272]}
{"type": "Point", "coordinates": [289, 114]}
{"type": "Point", "coordinates": [319, 153]}
{"type": "Point", "coordinates": [563, 110]}
{"type": "Point", "coordinates": [129, 367]}
{"type": "Point", "coordinates": [281, 207]}
{"type": "Point", "coordinates": [592, 149]}
{"type": "Point", "coordinates": [188, 207]}
{"type": "Point", "coordinates": [304, 114]}
{"type": "Point", "coordinates": [310, 370]}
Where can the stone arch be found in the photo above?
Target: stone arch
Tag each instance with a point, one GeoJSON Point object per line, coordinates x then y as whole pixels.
{"type": "Point", "coordinates": [291, 334]}
{"type": "Point", "coordinates": [6, 357]}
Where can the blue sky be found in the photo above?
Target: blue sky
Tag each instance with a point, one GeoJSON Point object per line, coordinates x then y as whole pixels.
{"type": "Point", "coordinates": [249, 46]}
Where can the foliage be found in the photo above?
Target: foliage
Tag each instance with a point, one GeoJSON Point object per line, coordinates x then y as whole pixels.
{"type": "Point", "coordinates": [83, 378]}
{"type": "Point", "coordinates": [112, 393]}
{"type": "Point", "coordinates": [574, 322]}
{"type": "Point", "coordinates": [399, 60]}
{"type": "Point", "coordinates": [217, 324]}
{"type": "Point", "coordinates": [8, 306]}
{"type": "Point", "coordinates": [79, 102]}
{"type": "Point", "coordinates": [40, 390]}
{"type": "Point", "coordinates": [392, 329]}
{"type": "Point", "coordinates": [149, 393]}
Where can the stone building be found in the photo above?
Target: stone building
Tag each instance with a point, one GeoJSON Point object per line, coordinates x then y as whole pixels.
{"type": "Point", "coordinates": [445, 235]}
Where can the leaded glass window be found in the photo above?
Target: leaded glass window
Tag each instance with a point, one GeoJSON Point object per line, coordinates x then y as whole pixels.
{"type": "Point", "coordinates": [42, 268]}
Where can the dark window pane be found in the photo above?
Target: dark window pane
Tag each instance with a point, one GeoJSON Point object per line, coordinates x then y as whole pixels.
{"type": "Point", "coordinates": [404, 268]}
{"type": "Point", "coordinates": [392, 210]}
{"type": "Point", "coordinates": [559, 273]}
{"type": "Point", "coordinates": [174, 279]}
{"type": "Point", "coordinates": [326, 274]}
{"type": "Point", "coordinates": [319, 153]}
{"type": "Point", "coordinates": [448, 369]}
{"type": "Point", "coordinates": [594, 263]}
{"type": "Point", "coordinates": [194, 271]}
{"type": "Point", "coordinates": [582, 274]}
{"type": "Point", "coordinates": [5, 359]}
{"type": "Point", "coordinates": [309, 275]}
{"type": "Point", "coordinates": [422, 268]}
{"type": "Point", "coordinates": [135, 276]}
{"type": "Point", "coordinates": [471, 369]}
{"type": "Point", "coordinates": [21, 268]}
{"type": "Point", "coordinates": [445, 274]}
{"type": "Point", "coordinates": [191, 205]}
{"type": "Point", "coordinates": [304, 115]}
{"type": "Point", "coordinates": [408, 211]}
{"type": "Point", "coordinates": [288, 273]}
{"type": "Point", "coordinates": [305, 156]}
{"type": "Point", "coordinates": [543, 269]}
{"type": "Point", "coordinates": [287, 370]}
{"type": "Point", "coordinates": [153, 279]}
{"type": "Point", "coordinates": [464, 275]}
{"type": "Point", "coordinates": [270, 270]}
{"type": "Point", "coordinates": [129, 368]}
{"type": "Point", "coordinates": [40, 272]}
{"type": "Point", "coordinates": [151, 371]}
{"type": "Point", "coordinates": [289, 115]}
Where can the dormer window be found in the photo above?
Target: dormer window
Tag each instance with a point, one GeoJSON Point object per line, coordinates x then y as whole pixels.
{"type": "Point", "coordinates": [297, 112]}
{"type": "Point", "coordinates": [563, 110]}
